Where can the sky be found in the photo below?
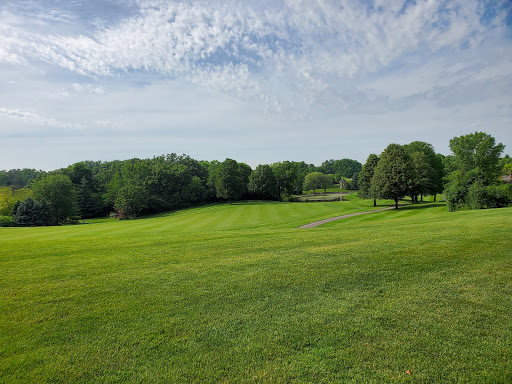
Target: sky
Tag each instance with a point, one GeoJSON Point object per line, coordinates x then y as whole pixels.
{"type": "Point", "coordinates": [256, 81]}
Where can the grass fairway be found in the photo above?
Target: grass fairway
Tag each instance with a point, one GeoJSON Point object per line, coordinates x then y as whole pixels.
{"type": "Point", "coordinates": [240, 294]}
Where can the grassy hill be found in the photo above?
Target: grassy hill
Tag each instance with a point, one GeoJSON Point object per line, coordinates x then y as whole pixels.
{"type": "Point", "coordinates": [237, 293]}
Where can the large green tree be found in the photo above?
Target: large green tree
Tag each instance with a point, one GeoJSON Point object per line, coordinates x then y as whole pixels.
{"type": "Point", "coordinates": [429, 169]}
{"type": "Point", "coordinates": [475, 170]}
{"type": "Point", "coordinates": [89, 200]}
{"type": "Point", "coordinates": [262, 183]}
{"type": "Point", "coordinates": [394, 175]}
{"type": "Point", "coordinates": [365, 179]}
{"type": "Point", "coordinates": [423, 181]}
{"type": "Point", "coordinates": [286, 177]}
{"type": "Point", "coordinates": [57, 190]}
{"type": "Point", "coordinates": [231, 180]}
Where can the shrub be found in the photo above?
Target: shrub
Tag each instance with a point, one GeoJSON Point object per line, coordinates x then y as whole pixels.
{"type": "Point", "coordinates": [6, 221]}
{"type": "Point", "coordinates": [492, 196]}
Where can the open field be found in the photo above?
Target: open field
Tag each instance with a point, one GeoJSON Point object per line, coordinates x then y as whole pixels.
{"type": "Point", "coordinates": [237, 293]}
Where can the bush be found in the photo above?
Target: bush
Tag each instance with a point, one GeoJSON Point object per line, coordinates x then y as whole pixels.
{"type": "Point", "coordinates": [455, 195]}
{"type": "Point", "coordinates": [492, 196]}
{"type": "Point", "coordinates": [6, 221]}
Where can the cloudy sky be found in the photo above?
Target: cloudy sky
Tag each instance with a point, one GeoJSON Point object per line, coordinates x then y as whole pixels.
{"type": "Point", "coordinates": [257, 81]}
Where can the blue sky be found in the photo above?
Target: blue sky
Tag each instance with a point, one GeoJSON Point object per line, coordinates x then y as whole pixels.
{"type": "Point", "coordinates": [256, 81]}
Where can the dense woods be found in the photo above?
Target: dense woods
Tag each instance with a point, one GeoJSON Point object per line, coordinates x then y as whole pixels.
{"type": "Point", "coordinates": [469, 179]}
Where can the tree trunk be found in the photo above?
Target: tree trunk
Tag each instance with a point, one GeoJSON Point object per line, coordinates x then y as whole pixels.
{"type": "Point", "coordinates": [374, 202]}
{"type": "Point", "coordinates": [422, 198]}
{"type": "Point", "coordinates": [396, 203]}
{"type": "Point", "coordinates": [435, 196]}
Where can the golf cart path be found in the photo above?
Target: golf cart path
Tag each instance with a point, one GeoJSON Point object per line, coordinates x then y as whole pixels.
{"type": "Point", "coordinates": [320, 222]}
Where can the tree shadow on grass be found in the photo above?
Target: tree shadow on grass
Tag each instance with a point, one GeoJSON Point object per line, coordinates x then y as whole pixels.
{"type": "Point", "coordinates": [422, 206]}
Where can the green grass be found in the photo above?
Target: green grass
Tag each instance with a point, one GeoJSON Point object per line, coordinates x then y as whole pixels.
{"type": "Point", "coordinates": [240, 294]}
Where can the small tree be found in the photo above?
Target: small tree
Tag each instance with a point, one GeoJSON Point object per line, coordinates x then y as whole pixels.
{"type": "Point", "coordinates": [316, 180]}
{"type": "Point", "coordinates": [365, 179]}
{"type": "Point", "coordinates": [354, 183]}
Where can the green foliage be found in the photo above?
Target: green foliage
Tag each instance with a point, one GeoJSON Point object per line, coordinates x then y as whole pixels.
{"type": "Point", "coordinates": [429, 169]}
{"type": "Point", "coordinates": [89, 200]}
{"type": "Point", "coordinates": [30, 213]}
{"type": "Point", "coordinates": [263, 183]}
{"type": "Point", "coordinates": [478, 151]}
{"type": "Point", "coordinates": [394, 175]}
{"type": "Point", "coordinates": [491, 196]}
{"type": "Point", "coordinates": [57, 190]}
{"type": "Point", "coordinates": [130, 201]}
{"type": "Point", "coordinates": [341, 168]}
{"type": "Point", "coordinates": [316, 180]}
{"type": "Point", "coordinates": [423, 183]}
{"type": "Point", "coordinates": [8, 199]}
{"type": "Point", "coordinates": [286, 176]}
{"type": "Point", "coordinates": [506, 165]}
{"type": "Point", "coordinates": [366, 176]}
{"type": "Point", "coordinates": [354, 182]}
{"type": "Point", "coordinates": [475, 170]}
{"type": "Point", "coordinates": [231, 180]}
{"type": "Point", "coordinates": [18, 178]}
{"type": "Point", "coordinates": [6, 221]}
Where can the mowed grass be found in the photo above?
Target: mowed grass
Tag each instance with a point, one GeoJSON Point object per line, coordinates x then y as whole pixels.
{"type": "Point", "coordinates": [240, 294]}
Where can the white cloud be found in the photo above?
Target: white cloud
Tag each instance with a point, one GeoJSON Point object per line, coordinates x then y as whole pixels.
{"type": "Point", "coordinates": [180, 71]}
{"type": "Point", "coordinates": [34, 118]}
{"type": "Point", "coordinates": [306, 46]}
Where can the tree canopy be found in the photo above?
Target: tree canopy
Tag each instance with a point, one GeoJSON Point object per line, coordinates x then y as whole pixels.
{"type": "Point", "coordinates": [231, 179]}
{"type": "Point", "coordinates": [365, 179]}
{"type": "Point", "coordinates": [58, 192]}
{"type": "Point", "coordinates": [474, 178]}
{"type": "Point", "coordinates": [316, 180]}
{"type": "Point", "coordinates": [136, 187]}
{"type": "Point", "coordinates": [262, 183]}
{"type": "Point", "coordinates": [394, 175]}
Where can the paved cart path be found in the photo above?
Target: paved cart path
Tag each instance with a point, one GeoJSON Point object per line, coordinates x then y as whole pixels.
{"type": "Point", "coordinates": [317, 223]}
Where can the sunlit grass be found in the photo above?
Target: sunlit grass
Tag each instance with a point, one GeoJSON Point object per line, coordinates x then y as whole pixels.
{"type": "Point", "coordinates": [240, 294]}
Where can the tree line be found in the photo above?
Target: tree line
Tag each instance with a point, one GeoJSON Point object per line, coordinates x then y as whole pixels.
{"type": "Point", "coordinates": [133, 187]}
{"type": "Point", "coordinates": [469, 179]}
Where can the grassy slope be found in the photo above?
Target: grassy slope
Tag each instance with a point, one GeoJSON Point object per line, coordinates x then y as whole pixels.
{"type": "Point", "coordinates": [212, 294]}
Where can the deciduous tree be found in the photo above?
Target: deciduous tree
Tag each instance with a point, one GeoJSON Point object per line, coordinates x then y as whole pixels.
{"type": "Point", "coordinates": [57, 190]}
{"type": "Point", "coordinates": [475, 173]}
{"type": "Point", "coordinates": [394, 175]}
{"type": "Point", "coordinates": [231, 180]}
{"type": "Point", "coordinates": [262, 183]}
{"type": "Point", "coordinates": [365, 179]}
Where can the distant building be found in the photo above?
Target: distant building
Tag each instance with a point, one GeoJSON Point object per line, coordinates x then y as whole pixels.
{"type": "Point", "coordinates": [508, 178]}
